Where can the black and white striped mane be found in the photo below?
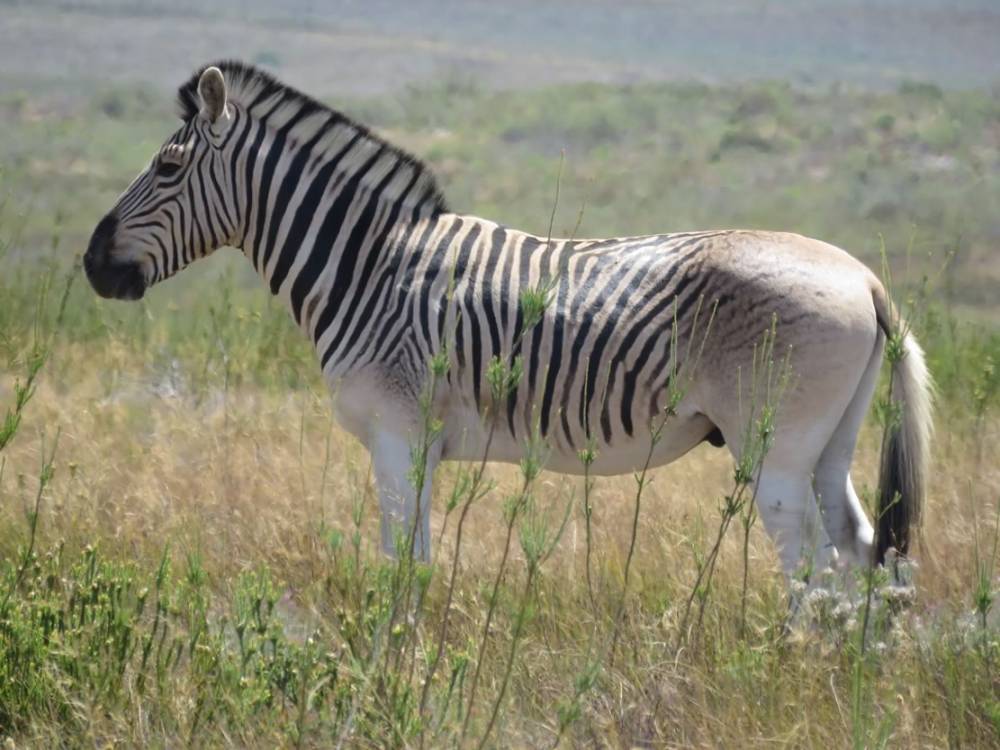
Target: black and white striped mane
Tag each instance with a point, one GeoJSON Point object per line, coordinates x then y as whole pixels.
{"type": "Point", "coordinates": [262, 95]}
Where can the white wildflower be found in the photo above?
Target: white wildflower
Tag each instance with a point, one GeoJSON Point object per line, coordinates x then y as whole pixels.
{"type": "Point", "coordinates": [818, 597]}
{"type": "Point", "coordinates": [843, 610]}
{"type": "Point", "coordinates": [899, 597]}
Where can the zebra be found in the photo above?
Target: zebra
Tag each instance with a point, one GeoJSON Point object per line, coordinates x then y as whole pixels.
{"type": "Point", "coordinates": [355, 236]}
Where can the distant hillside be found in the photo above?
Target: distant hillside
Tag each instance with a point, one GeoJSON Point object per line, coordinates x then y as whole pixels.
{"type": "Point", "coordinates": [363, 47]}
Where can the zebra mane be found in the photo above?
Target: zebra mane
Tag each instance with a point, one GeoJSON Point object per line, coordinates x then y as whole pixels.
{"type": "Point", "coordinates": [257, 92]}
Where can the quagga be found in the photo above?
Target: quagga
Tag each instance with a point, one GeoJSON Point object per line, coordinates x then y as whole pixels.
{"type": "Point", "coordinates": [355, 236]}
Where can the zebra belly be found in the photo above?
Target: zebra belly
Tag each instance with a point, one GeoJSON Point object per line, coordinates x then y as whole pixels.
{"type": "Point", "coordinates": [466, 435]}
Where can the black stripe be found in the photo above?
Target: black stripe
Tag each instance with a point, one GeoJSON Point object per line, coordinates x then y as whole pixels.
{"type": "Point", "coordinates": [464, 268]}
{"type": "Point", "coordinates": [234, 160]}
{"type": "Point", "coordinates": [292, 179]}
{"type": "Point", "coordinates": [493, 249]}
{"type": "Point", "coordinates": [397, 316]}
{"type": "Point", "coordinates": [332, 224]}
{"type": "Point", "coordinates": [607, 296]}
{"type": "Point", "coordinates": [206, 204]}
{"type": "Point", "coordinates": [274, 155]}
{"type": "Point", "coordinates": [434, 268]}
{"type": "Point", "coordinates": [631, 376]}
{"type": "Point", "coordinates": [354, 244]}
{"type": "Point", "coordinates": [555, 361]}
{"type": "Point", "coordinates": [529, 248]}
{"type": "Point", "coordinates": [382, 291]}
{"type": "Point", "coordinates": [220, 196]}
{"type": "Point", "coordinates": [640, 326]}
{"type": "Point", "coordinates": [304, 216]}
{"type": "Point", "coordinates": [251, 162]}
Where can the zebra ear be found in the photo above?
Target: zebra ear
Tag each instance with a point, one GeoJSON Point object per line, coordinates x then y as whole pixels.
{"type": "Point", "coordinates": [212, 92]}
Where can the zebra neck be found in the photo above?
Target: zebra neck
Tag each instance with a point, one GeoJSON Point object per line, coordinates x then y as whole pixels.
{"type": "Point", "coordinates": [322, 217]}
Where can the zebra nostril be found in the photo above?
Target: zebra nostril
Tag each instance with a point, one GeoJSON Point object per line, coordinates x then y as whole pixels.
{"type": "Point", "coordinates": [106, 227]}
{"type": "Point", "coordinates": [98, 254]}
{"type": "Point", "coordinates": [100, 242]}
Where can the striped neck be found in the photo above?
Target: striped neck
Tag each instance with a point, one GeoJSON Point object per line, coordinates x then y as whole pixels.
{"type": "Point", "coordinates": [318, 207]}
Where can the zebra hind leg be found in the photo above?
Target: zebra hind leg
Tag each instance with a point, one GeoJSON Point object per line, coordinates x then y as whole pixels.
{"type": "Point", "coordinates": [401, 513]}
{"type": "Point", "coordinates": [788, 508]}
{"type": "Point", "coordinates": [843, 513]}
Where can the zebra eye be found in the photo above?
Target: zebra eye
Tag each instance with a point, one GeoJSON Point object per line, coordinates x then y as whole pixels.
{"type": "Point", "coordinates": [167, 169]}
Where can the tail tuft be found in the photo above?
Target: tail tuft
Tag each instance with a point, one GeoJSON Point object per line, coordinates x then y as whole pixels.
{"type": "Point", "coordinates": [906, 450]}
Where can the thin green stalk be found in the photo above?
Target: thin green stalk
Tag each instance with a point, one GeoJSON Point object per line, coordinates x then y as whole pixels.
{"type": "Point", "coordinates": [675, 393]}
{"type": "Point", "coordinates": [45, 475]}
{"type": "Point", "coordinates": [587, 457]}
{"type": "Point", "coordinates": [515, 639]}
{"type": "Point", "coordinates": [453, 578]}
{"type": "Point", "coordinates": [640, 480]}
{"type": "Point", "coordinates": [748, 520]}
{"type": "Point", "coordinates": [503, 380]}
{"type": "Point", "coordinates": [515, 509]}
{"type": "Point", "coordinates": [756, 444]}
{"type": "Point", "coordinates": [537, 543]}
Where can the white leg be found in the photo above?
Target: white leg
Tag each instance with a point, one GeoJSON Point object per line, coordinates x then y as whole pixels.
{"type": "Point", "coordinates": [400, 510]}
{"type": "Point", "coordinates": [843, 515]}
{"type": "Point", "coordinates": [864, 533]}
{"type": "Point", "coordinates": [788, 508]}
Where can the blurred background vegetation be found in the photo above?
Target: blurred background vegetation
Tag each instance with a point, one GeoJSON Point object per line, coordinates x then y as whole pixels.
{"type": "Point", "coordinates": [895, 143]}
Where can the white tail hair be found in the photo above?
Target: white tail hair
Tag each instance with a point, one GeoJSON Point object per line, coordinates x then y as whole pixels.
{"type": "Point", "coordinates": [906, 448]}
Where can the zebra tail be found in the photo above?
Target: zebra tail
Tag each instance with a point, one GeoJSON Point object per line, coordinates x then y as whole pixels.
{"type": "Point", "coordinates": [906, 446]}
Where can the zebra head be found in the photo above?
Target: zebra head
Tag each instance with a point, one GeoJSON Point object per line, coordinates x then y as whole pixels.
{"type": "Point", "coordinates": [175, 211]}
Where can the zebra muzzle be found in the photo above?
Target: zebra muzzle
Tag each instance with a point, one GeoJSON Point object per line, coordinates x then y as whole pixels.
{"type": "Point", "coordinates": [110, 278]}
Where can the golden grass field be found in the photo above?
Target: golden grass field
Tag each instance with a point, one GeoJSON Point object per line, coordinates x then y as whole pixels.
{"type": "Point", "coordinates": [252, 477]}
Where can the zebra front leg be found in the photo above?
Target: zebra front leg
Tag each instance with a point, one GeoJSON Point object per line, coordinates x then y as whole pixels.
{"type": "Point", "coordinates": [404, 520]}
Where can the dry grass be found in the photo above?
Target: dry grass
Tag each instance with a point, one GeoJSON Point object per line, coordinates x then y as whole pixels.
{"type": "Point", "coordinates": [258, 477]}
